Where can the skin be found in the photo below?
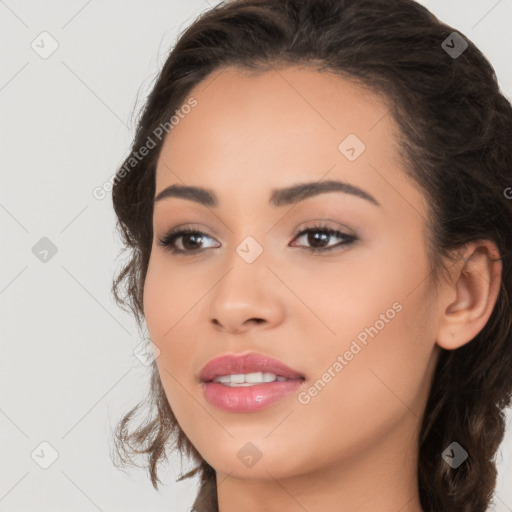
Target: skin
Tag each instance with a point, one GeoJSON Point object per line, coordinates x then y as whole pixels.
{"type": "Point", "coordinates": [353, 446]}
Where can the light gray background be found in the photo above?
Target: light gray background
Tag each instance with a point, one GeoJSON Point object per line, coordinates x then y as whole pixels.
{"type": "Point", "coordinates": [67, 368]}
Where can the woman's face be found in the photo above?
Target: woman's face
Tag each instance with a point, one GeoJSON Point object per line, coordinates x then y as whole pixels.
{"type": "Point", "coordinates": [356, 318]}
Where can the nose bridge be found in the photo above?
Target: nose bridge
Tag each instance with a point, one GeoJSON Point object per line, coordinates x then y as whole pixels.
{"type": "Point", "coordinates": [245, 291]}
{"type": "Point", "coordinates": [246, 274]}
{"type": "Point", "coordinates": [249, 247]}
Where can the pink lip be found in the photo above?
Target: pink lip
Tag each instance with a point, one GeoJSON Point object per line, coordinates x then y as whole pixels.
{"type": "Point", "coordinates": [247, 398]}
{"type": "Point", "coordinates": [246, 363]}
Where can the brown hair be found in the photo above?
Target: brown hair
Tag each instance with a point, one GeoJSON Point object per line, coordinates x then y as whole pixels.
{"type": "Point", "coordinates": [456, 129]}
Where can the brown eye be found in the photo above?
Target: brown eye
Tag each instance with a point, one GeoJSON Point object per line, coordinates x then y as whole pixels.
{"type": "Point", "coordinates": [184, 240]}
{"type": "Point", "coordinates": [319, 237]}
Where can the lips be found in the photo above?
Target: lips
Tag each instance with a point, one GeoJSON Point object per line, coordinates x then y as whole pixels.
{"type": "Point", "coordinates": [252, 397]}
{"type": "Point", "coordinates": [231, 364]}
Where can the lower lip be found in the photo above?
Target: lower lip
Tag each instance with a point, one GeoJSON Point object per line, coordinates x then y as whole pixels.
{"type": "Point", "coordinates": [248, 398]}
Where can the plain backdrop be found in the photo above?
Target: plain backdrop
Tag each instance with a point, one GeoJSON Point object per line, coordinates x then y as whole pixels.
{"type": "Point", "coordinates": [67, 366]}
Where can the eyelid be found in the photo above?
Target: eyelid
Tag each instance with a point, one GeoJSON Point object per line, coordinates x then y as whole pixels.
{"type": "Point", "coordinates": [323, 224]}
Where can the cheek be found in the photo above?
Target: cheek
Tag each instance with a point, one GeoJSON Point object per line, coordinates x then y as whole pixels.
{"type": "Point", "coordinates": [171, 302]}
{"type": "Point", "coordinates": [382, 313]}
{"type": "Point", "coordinates": [167, 300]}
{"type": "Point", "coordinates": [381, 388]}
{"type": "Point", "coordinates": [168, 297]}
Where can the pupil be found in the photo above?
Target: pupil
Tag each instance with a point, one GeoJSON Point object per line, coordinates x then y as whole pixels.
{"type": "Point", "coordinates": [191, 236]}
{"type": "Point", "coordinates": [315, 237]}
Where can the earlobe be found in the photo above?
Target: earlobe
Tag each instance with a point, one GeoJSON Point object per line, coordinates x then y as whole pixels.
{"type": "Point", "coordinates": [468, 300]}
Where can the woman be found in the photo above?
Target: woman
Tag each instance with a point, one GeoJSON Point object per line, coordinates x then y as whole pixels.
{"type": "Point", "coordinates": [317, 212]}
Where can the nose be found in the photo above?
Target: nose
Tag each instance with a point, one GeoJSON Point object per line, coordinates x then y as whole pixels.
{"type": "Point", "coordinates": [246, 297]}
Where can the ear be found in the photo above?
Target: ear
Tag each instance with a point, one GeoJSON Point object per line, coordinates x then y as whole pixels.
{"type": "Point", "coordinates": [468, 297]}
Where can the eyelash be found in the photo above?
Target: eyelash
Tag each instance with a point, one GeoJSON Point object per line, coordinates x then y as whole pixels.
{"type": "Point", "coordinates": [168, 240]}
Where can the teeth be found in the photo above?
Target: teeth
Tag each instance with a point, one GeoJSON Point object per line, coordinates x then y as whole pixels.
{"type": "Point", "coordinates": [225, 379]}
{"type": "Point", "coordinates": [237, 379]}
{"type": "Point", "coordinates": [248, 379]}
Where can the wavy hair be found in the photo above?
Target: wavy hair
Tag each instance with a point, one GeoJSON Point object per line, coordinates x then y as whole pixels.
{"type": "Point", "coordinates": [455, 138]}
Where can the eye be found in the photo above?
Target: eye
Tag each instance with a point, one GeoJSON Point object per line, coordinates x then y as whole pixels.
{"type": "Point", "coordinates": [319, 236]}
{"type": "Point", "coordinates": [189, 240]}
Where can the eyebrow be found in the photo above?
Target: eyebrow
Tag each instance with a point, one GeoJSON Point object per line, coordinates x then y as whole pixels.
{"type": "Point", "coordinates": [279, 197]}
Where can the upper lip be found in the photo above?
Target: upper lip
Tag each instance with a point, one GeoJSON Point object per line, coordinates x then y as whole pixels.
{"type": "Point", "coordinates": [232, 364]}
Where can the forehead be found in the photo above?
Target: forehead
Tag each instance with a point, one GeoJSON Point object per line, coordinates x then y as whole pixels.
{"type": "Point", "coordinates": [233, 102]}
{"type": "Point", "coordinates": [254, 130]}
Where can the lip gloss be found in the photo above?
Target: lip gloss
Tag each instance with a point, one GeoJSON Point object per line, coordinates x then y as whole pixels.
{"type": "Point", "coordinates": [248, 398]}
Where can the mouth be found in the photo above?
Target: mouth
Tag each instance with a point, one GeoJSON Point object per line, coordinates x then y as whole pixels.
{"type": "Point", "coordinates": [246, 370]}
{"type": "Point", "coordinates": [247, 383]}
